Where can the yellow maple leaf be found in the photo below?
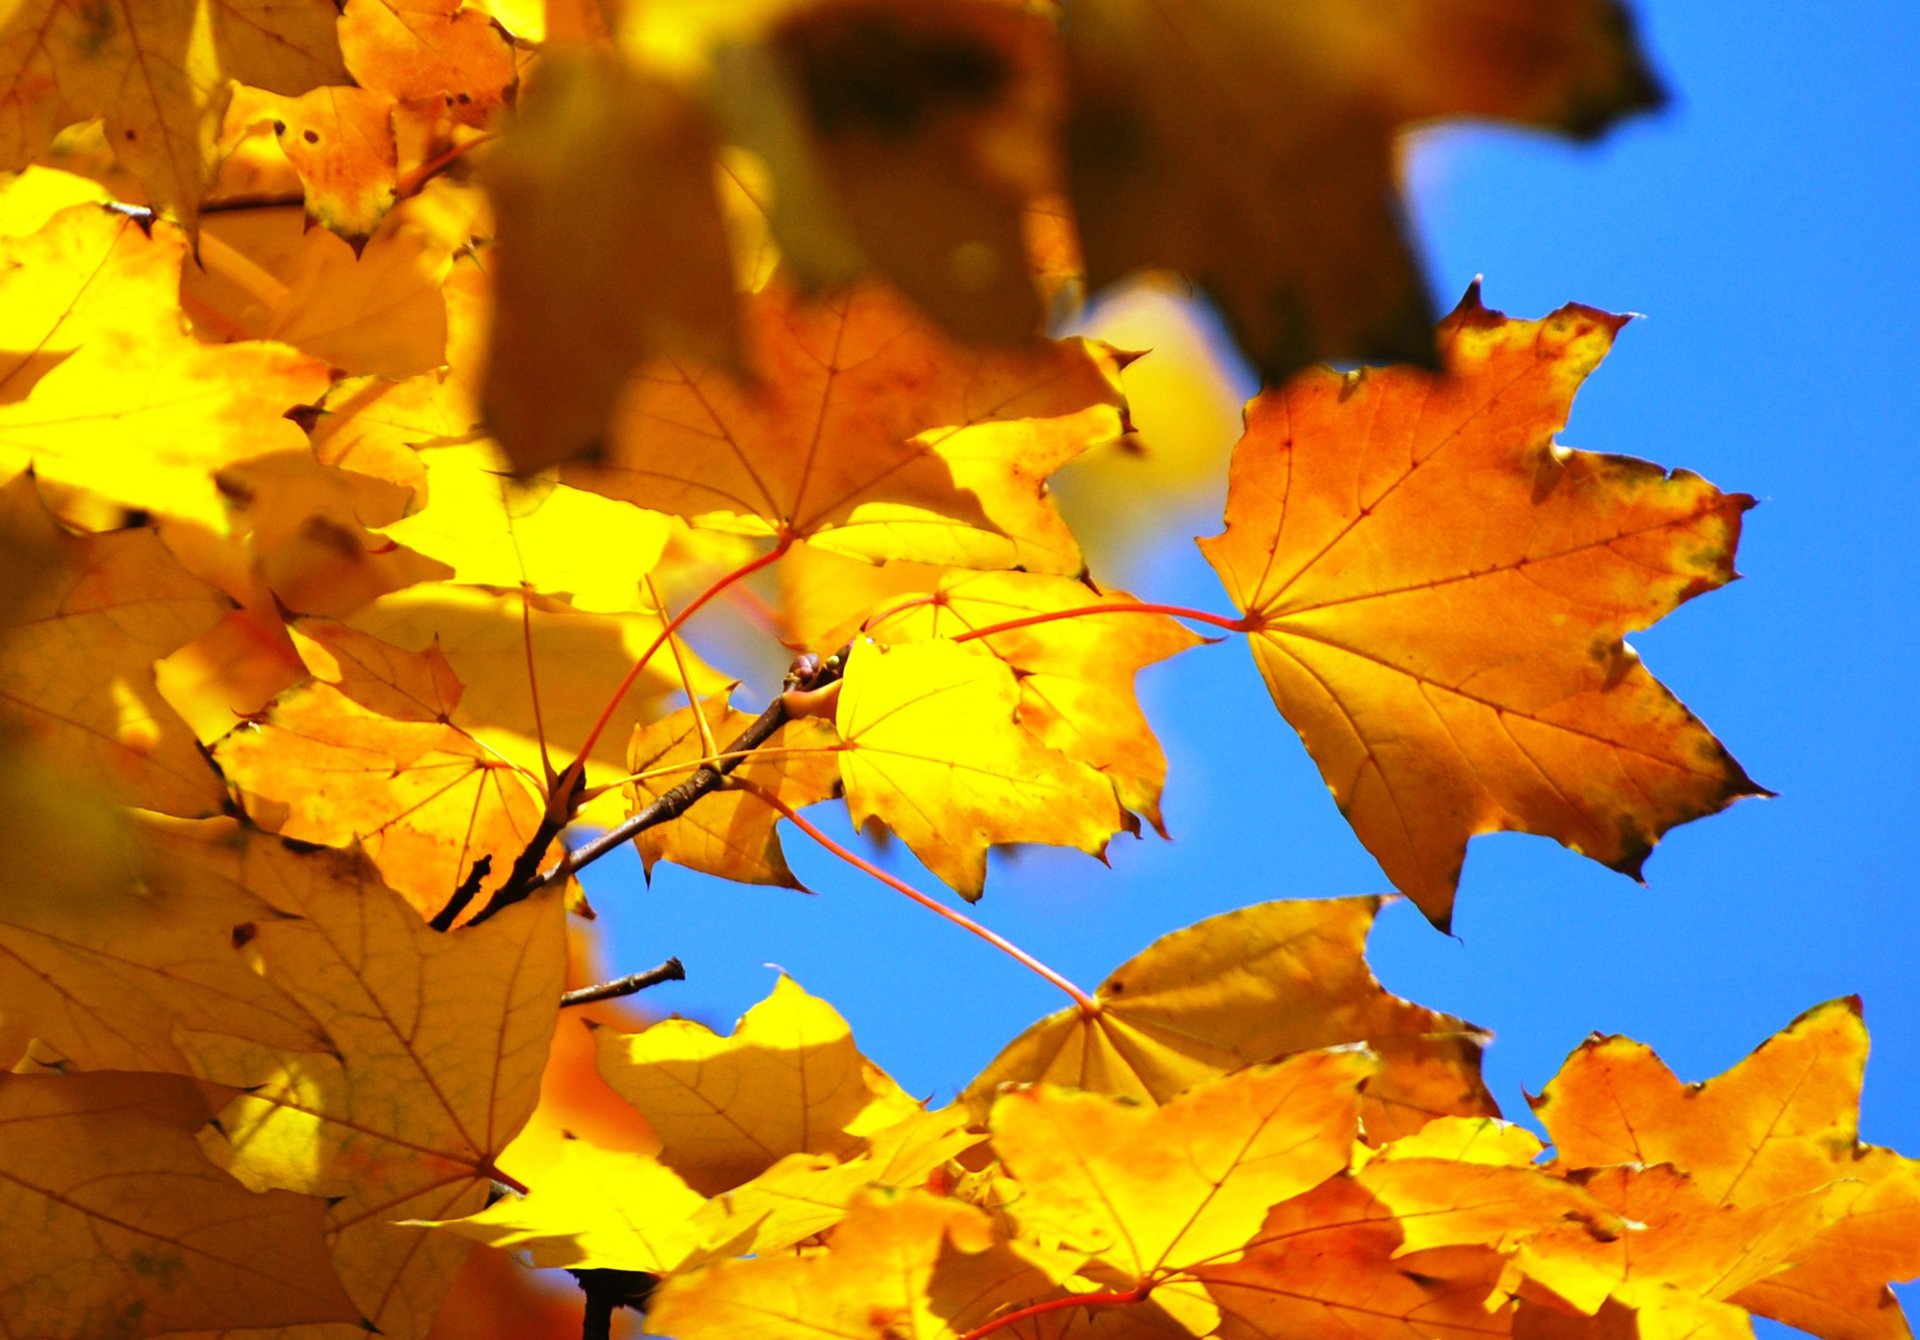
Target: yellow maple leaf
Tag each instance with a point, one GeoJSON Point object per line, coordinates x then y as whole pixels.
{"type": "Point", "coordinates": [132, 1230]}
{"type": "Point", "coordinates": [157, 934]}
{"type": "Point", "coordinates": [594, 1209]}
{"type": "Point", "coordinates": [901, 1265]}
{"type": "Point", "coordinates": [1451, 678]}
{"type": "Point", "coordinates": [77, 649]}
{"type": "Point", "coordinates": [1075, 675]}
{"type": "Point", "coordinates": [1334, 1262]}
{"type": "Point", "coordinates": [139, 413]}
{"type": "Point", "coordinates": [788, 1081]}
{"type": "Point", "coordinates": [1248, 987]}
{"type": "Point", "coordinates": [495, 530]}
{"type": "Point", "coordinates": [428, 49]}
{"type": "Point", "coordinates": [1152, 1191]}
{"type": "Point", "coordinates": [932, 746]}
{"type": "Point", "coordinates": [1781, 1124]}
{"type": "Point", "coordinates": [340, 141]}
{"type": "Point", "coordinates": [371, 757]}
{"type": "Point", "coordinates": [404, 1116]}
{"type": "Point", "coordinates": [729, 833]}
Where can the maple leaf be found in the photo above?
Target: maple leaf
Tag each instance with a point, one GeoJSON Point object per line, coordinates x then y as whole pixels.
{"type": "Point", "coordinates": [788, 1081]}
{"type": "Point", "coordinates": [365, 753]}
{"type": "Point", "coordinates": [731, 833]}
{"type": "Point", "coordinates": [495, 530]}
{"type": "Point", "coordinates": [595, 1209]}
{"type": "Point", "coordinates": [1781, 1124]}
{"type": "Point", "coordinates": [1151, 1191]}
{"type": "Point", "coordinates": [1286, 212]}
{"type": "Point", "coordinates": [806, 1194]}
{"type": "Point", "coordinates": [157, 935]}
{"type": "Point", "coordinates": [906, 1264]}
{"type": "Point", "coordinates": [340, 141]}
{"type": "Point", "coordinates": [489, 638]}
{"type": "Point", "coordinates": [428, 49]}
{"type": "Point", "coordinates": [378, 309]}
{"type": "Point", "coordinates": [1075, 674]}
{"type": "Point", "coordinates": [438, 1043]}
{"type": "Point", "coordinates": [159, 73]}
{"type": "Point", "coordinates": [1334, 1262]}
{"type": "Point", "coordinates": [1244, 988]}
{"type": "Point", "coordinates": [908, 143]}
{"type": "Point", "coordinates": [932, 746]}
{"type": "Point", "coordinates": [1453, 679]}
{"type": "Point", "coordinates": [132, 1230]}
{"type": "Point", "coordinates": [581, 304]}
{"type": "Point", "coordinates": [77, 649]}
{"type": "Point", "coordinates": [868, 433]}
{"type": "Point", "coordinates": [139, 412]}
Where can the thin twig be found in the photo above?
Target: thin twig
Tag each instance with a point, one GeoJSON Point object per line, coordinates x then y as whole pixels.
{"type": "Point", "coordinates": [808, 673]}
{"type": "Point", "coordinates": [670, 971]}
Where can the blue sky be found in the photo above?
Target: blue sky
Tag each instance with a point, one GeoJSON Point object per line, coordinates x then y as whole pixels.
{"type": "Point", "coordinates": [1767, 224]}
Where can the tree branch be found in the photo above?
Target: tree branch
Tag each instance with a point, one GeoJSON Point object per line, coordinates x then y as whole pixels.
{"type": "Point", "coordinates": [807, 675]}
{"type": "Point", "coordinates": [670, 971]}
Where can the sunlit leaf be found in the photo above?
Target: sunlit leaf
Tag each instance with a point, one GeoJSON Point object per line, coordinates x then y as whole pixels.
{"type": "Point", "coordinates": [731, 833]}
{"type": "Point", "coordinates": [438, 1042]}
{"type": "Point", "coordinates": [1248, 987]}
{"type": "Point", "coordinates": [1439, 594]}
{"type": "Point", "coordinates": [139, 413]}
{"type": "Point", "coordinates": [787, 1081]}
{"type": "Point", "coordinates": [77, 648]}
{"type": "Point", "coordinates": [932, 746]}
{"type": "Point", "coordinates": [867, 432]}
{"type": "Point", "coordinates": [907, 1265]}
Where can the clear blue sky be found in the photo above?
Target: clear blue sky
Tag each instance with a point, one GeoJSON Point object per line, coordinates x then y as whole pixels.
{"type": "Point", "coordinates": [1768, 224]}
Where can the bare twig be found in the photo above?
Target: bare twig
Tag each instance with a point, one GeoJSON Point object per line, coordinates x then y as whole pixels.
{"type": "Point", "coordinates": [808, 674]}
{"type": "Point", "coordinates": [670, 971]}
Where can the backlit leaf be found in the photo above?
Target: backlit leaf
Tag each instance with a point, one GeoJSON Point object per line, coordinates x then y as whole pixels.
{"type": "Point", "coordinates": [1440, 594]}
{"type": "Point", "coordinates": [866, 432]}
{"type": "Point", "coordinates": [1076, 675]}
{"type": "Point", "coordinates": [787, 1081]}
{"type": "Point", "coordinates": [439, 1041]}
{"type": "Point", "coordinates": [1153, 1190]}
{"type": "Point", "coordinates": [158, 934]}
{"type": "Point", "coordinates": [883, 1279]}
{"type": "Point", "coordinates": [77, 649]}
{"type": "Point", "coordinates": [1329, 1263]}
{"type": "Point", "coordinates": [1781, 1124]}
{"type": "Point", "coordinates": [424, 798]}
{"type": "Point", "coordinates": [932, 746]}
{"type": "Point", "coordinates": [139, 413]}
{"type": "Point", "coordinates": [730, 833]}
{"type": "Point", "coordinates": [1245, 988]}
{"type": "Point", "coordinates": [118, 1225]}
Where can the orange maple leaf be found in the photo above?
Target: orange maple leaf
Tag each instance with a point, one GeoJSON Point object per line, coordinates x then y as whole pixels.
{"type": "Point", "coordinates": [1779, 1126]}
{"type": "Point", "coordinates": [1437, 594]}
{"type": "Point", "coordinates": [868, 433]}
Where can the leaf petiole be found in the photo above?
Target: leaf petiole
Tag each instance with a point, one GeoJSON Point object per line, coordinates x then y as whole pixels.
{"type": "Point", "coordinates": [1088, 1006]}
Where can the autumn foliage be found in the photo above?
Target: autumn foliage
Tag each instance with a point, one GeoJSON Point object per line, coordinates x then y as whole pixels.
{"type": "Point", "coordinates": [383, 387]}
